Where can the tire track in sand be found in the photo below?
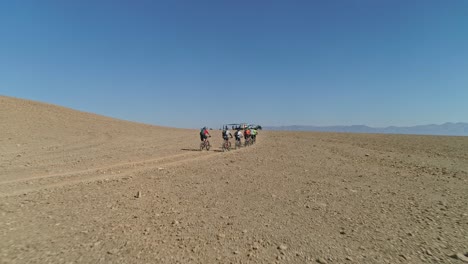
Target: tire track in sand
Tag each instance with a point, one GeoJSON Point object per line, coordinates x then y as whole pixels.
{"type": "Point", "coordinates": [118, 170]}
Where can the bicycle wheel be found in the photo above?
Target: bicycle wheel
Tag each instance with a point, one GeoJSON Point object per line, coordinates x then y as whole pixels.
{"type": "Point", "coordinates": [224, 146]}
{"type": "Point", "coordinates": [208, 146]}
{"type": "Point", "coordinates": [202, 146]}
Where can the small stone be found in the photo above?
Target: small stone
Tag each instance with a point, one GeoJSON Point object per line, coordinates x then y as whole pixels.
{"type": "Point", "coordinates": [138, 195]}
{"type": "Point", "coordinates": [462, 257]}
{"type": "Point", "coordinates": [221, 236]}
{"type": "Point", "coordinates": [322, 261]}
{"type": "Point", "coordinates": [367, 155]}
{"type": "Point", "coordinates": [282, 247]}
{"type": "Point", "coordinates": [175, 222]}
{"type": "Point", "coordinates": [349, 258]}
{"type": "Point", "coordinates": [113, 251]}
{"type": "Point", "coordinates": [236, 252]}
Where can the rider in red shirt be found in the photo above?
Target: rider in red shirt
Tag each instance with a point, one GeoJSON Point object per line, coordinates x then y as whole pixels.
{"type": "Point", "coordinates": [204, 134]}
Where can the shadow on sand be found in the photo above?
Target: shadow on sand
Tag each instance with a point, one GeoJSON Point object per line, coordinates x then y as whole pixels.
{"type": "Point", "coordinates": [187, 149]}
{"type": "Point", "coordinates": [216, 150]}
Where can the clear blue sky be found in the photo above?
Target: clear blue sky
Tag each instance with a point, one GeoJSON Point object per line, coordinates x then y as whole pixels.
{"type": "Point", "coordinates": [194, 63]}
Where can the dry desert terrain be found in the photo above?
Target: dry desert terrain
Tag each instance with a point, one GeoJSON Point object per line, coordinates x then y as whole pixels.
{"type": "Point", "coordinates": [77, 187]}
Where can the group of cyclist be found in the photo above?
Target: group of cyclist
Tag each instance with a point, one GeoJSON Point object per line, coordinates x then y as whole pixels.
{"type": "Point", "coordinates": [249, 134]}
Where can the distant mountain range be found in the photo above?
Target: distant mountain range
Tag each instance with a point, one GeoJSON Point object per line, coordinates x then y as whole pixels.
{"type": "Point", "coordinates": [446, 129]}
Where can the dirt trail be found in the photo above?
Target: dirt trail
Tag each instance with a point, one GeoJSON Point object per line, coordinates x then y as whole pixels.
{"type": "Point", "coordinates": [28, 184]}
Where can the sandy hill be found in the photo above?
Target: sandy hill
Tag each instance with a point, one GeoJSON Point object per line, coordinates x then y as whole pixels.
{"type": "Point", "coordinates": [82, 188]}
{"type": "Point", "coordinates": [40, 139]}
{"type": "Point", "coordinates": [38, 124]}
{"type": "Point", "coordinates": [27, 120]}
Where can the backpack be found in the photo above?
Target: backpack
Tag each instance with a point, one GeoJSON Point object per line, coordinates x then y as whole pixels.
{"type": "Point", "coordinates": [202, 131]}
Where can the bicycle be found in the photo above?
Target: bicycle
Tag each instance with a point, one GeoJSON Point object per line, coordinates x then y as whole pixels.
{"type": "Point", "coordinates": [226, 145]}
{"type": "Point", "coordinates": [238, 143]}
{"type": "Point", "coordinates": [205, 145]}
{"type": "Point", "coordinates": [248, 141]}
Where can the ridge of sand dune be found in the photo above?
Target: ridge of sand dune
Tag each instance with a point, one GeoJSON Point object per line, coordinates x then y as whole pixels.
{"type": "Point", "coordinates": [100, 190]}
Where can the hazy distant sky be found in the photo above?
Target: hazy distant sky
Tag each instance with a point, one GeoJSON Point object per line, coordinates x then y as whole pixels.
{"type": "Point", "coordinates": [194, 63]}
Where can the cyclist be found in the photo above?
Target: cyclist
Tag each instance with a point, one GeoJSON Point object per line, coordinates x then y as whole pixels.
{"type": "Point", "coordinates": [238, 136]}
{"type": "Point", "coordinates": [254, 134]}
{"type": "Point", "coordinates": [247, 134]}
{"type": "Point", "coordinates": [226, 134]}
{"type": "Point", "coordinates": [204, 134]}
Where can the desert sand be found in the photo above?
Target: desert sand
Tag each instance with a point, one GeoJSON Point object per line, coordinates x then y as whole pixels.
{"type": "Point", "coordinates": [77, 187]}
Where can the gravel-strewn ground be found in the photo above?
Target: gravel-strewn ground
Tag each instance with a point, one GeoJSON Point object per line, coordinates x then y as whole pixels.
{"type": "Point", "coordinates": [81, 188]}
